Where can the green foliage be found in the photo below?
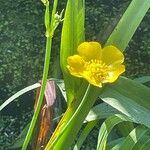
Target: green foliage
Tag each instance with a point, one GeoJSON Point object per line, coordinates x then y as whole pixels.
{"type": "Point", "coordinates": [106, 128]}
{"type": "Point", "coordinates": [133, 138]}
{"type": "Point", "coordinates": [22, 45]}
{"type": "Point", "coordinates": [72, 35]}
{"type": "Point", "coordinates": [133, 102]}
{"type": "Point", "coordinates": [72, 124]}
{"type": "Point", "coordinates": [128, 24]}
{"type": "Point", "coordinates": [19, 93]}
{"type": "Point", "coordinates": [84, 134]}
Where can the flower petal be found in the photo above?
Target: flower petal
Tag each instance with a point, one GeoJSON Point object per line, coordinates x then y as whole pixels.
{"type": "Point", "coordinates": [114, 73]}
{"type": "Point", "coordinates": [112, 55]}
{"type": "Point", "coordinates": [93, 82]}
{"type": "Point", "coordinates": [75, 65]}
{"type": "Point", "coordinates": [90, 50]}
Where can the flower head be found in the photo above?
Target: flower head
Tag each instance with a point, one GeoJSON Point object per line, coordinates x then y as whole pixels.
{"type": "Point", "coordinates": [95, 64]}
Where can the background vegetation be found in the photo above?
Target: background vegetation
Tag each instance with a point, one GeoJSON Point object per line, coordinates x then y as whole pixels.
{"type": "Point", "coordinates": [22, 53]}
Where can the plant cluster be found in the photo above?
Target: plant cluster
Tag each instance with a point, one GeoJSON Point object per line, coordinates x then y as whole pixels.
{"type": "Point", "coordinates": [92, 86]}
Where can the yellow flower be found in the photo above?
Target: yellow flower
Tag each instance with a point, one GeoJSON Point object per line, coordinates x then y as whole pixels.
{"type": "Point", "coordinates": [95, 64]}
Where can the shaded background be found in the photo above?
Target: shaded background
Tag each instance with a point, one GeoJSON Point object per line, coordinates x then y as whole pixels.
{"type": "Point", "coordinates": [22, 49]}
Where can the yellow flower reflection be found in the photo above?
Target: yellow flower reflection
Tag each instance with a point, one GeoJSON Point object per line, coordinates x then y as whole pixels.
{"type": "Point", "coordinates": [95, 64]}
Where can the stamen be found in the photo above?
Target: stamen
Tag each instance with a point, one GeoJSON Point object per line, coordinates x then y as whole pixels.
{"type": "Point", "coordinates": [97, 70]}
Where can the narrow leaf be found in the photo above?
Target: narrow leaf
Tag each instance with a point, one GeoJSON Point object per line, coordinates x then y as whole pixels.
{"type": "Point", "coordinates": [85, 132]}
{"type": "Point", "coordinates": [19, 93]}
{"type": "Point", "coordinates": [133, 138]}
{"type": "Point", "coordinates": [101, 111]}
{"type": "Point", "coordinates": [72, 36]}
{"type": "Point", "coordinates": [143, 79]}
{"type": "Point", "coordinates": [106, 128]}
{"type": "Point", "coordinates": [143, 143]}
{"type": "Point", "coordinates": [73, 119]}
{"type": "Point", "coordinates": [128, 24]}
{"type": "Point", "coordinates": [114, 143]}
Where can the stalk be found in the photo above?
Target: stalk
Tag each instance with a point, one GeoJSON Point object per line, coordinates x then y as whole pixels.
{"type": "Point", "coordinates": [50, 28]}
{"type": "Point", "coordinates": [40, 99]}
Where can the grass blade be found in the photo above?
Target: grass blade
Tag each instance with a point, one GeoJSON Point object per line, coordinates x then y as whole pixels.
{"type": "Point", "coordinates": [19, 93]}
{"type": "Point", "coordinates": [143, 79]}
{"type": "Point", "coordinates": [84, 134]}
{"type": "Point", "coordinates": [133, 138]}
{"type": "Point", "coordinates": [128, 24]}
{"type": "Point", "coordinates": [106, 128]}
{"type": "Point", "coordinates": [101, 111]}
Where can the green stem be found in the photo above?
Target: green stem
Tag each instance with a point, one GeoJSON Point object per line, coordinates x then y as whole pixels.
{"type": "Point", "coordinates": [40, 99]}
{"type": "Point", "coordinates": [50, 27]}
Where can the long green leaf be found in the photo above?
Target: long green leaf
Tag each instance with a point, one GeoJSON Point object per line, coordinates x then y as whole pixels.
{"type": "Point", "coordinates": [128, 24]}
{"type": "Point", "coordinates": [115, 143]}
{"type": "Point", "coordinates": [143, 79]}
{"type": "Point", "coordinates": [72, 36]}
{"type": "Point", "coordinates": [101, 111]}
{"type": "Point", "coordinates": [133, 138]}
{"type": "Point", "coordinates": [106, 128]}
{"type": "Point", "coordinates": [19, 93]}
{"type": "Point", "coordinates": [84, 134]}
{"type": "Point", "coordinates": [125, 128]}
{"type": "Point", "coordinates": [131, 98]}
{"type": "Point", "coordinates": [143, 143]}
{"type": "Point", "coordinates": [146, 145]}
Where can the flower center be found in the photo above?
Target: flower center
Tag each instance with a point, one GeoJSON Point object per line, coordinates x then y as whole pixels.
{"type": "Point", "coordinates": [97, 70]}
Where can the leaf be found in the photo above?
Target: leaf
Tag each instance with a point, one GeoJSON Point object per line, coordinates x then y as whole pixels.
{"type": "Point", "coordinates": [128, 24]}
{"type": "Point", "coordinates": [19, 93]}
{"type": "Point", "coordinates": [101, 111]}
{"type": "Point", "coordinates": [115, 143]}
{"type": "Point", "coordinates": [50, 93]}
{"type": "Point", "coordinates": [72, 36]}
{"type": "Point", "coordinates": [46, 115]}
{"type": "Point", "coordinates": [60, 84]}
{"type": "Point", "coordinates": [106, 128]}
{"type": "Point", "coordinates": [130, 98]}
{"type": "Point", "coordinates": [143, 79]}
{"type": "Point", "coordinates": [146, 145]}
{"type": "Point", "coordinates": [143, 143]}
{"type": "Point", "coordinates": [125, 128]}
{"type": "Point", "coordinates": [85, 132]}
{"type": "Point", "coordinates": [133, 138]}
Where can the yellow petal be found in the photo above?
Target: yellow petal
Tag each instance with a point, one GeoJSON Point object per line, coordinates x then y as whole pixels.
{"type": "Point", "coordinates": [114, 73]}
{"type": "Point", "coordinates": [90, 50]}
{"type": "Point", "coordinates": [93, 82]}
{"type": "Point", "coordinates": [75, 65]}
{"type": "Point", "coordinates": [112, 55]}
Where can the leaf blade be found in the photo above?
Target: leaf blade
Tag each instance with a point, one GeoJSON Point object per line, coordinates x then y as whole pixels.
{"type": "Point", "coordinates": [128, 24]}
